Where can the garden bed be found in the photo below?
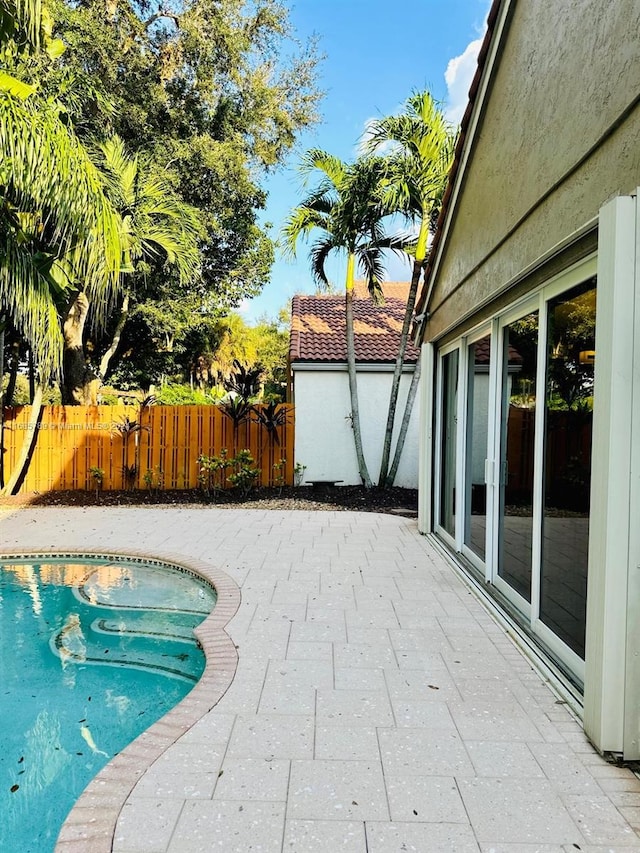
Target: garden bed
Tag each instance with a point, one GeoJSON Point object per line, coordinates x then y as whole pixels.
{"type": "Point", "coordinates": [397, 501]}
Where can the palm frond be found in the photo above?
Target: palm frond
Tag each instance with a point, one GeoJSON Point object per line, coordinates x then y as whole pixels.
{"type": "Point", "coordinates": [299, 224]}
{"type": "Point", "coordinates": [318, 255]}
{"type": "Point", "coordinates": [332, 167]}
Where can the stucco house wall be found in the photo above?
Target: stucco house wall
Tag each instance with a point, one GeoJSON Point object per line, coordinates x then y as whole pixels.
{"type": "Point", "coordinates": [557, 137]}
{"type": "Point", "coordinates": [324, 438]}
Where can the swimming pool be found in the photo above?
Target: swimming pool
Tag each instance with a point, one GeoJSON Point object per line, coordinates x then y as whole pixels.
{"type": "Point", "coordinates": [92, 652]}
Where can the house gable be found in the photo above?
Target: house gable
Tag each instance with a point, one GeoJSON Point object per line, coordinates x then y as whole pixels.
{"type": "Point", "coordinates": [541, 156]}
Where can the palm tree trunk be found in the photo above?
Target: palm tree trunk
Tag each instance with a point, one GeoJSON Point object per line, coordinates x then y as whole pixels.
{"type": "Point", "coordinates": [404, 426]}
{"type": "Point", "coordinates": [397, 372]}
{"type": "Point", "coordinates": [76, 384]}
{"type": "Point", "coordinates": [31, 434]}
{"type": "Point", "coordinates": [14, 364]}
{"type": "Point", "coordinates": [2, 323]}
{"type": "Point", "coordinates": [117, 335]}
{"type": "Point", "coordinates": [353, 382]}
{"type": "Point", "coordinates": [32, 377]}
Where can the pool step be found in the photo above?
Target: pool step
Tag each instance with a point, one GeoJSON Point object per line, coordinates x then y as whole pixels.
{"type": "Point", "coordinates": [136, 643]}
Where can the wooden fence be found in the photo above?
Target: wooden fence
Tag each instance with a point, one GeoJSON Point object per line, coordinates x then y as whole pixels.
{"type": "Point", "coordinates": [163, 452]}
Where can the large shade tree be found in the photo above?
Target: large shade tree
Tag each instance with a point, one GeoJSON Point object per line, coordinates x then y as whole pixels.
{"type": "Point", "coordinates": [420, 144]}
{"type": "Point", "coordinates": [215, 91]}
{"type": "Point", "coordinates": [345, 208]}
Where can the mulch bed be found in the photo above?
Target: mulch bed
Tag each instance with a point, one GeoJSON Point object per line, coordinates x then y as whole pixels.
{"type": "Point", "coordinates": [395, 501]}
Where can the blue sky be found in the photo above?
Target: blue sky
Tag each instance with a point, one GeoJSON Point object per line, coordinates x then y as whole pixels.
{"type": "Point", "coordinates": [376, 54]}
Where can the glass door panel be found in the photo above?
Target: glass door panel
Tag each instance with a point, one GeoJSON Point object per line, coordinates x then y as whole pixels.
{"type": "Point", "coordinates": [567, 470]}
{"type": "Point", "coordinates": [475, 526]}
{"type": "Point", "coordinates": [448, 441]}
{"type": "Point", "coordinates": [519, 363]}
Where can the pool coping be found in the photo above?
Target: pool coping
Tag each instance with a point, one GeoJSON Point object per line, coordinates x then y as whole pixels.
{"type": "Point", "coordinates": [91, 823]}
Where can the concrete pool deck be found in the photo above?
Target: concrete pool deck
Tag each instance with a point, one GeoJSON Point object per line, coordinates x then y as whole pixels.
{"type": "Point", "coordinates": [377, 706]}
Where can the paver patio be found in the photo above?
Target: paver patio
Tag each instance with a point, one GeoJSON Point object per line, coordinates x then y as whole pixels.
{"type": "Point", "coordinates": [377, 707]}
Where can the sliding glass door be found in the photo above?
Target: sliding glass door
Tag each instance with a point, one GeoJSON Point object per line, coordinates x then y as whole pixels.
{"type": "Point", "coordinates": [448, 442]}
{"type": "Point", "coordinates": [516, 468]}
{"type": "Point", "coordinates": [570, 358]}
{"type": "Point", "coordinates": [513, 456]}
{"type": "Point", "coordinates": [476, 453]}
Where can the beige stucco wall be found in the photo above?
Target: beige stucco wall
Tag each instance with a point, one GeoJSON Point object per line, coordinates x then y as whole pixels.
{"type": "Point", "coordinates": [567, 71]}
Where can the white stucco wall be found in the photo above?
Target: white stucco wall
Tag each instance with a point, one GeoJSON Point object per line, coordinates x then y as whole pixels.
{"type": "Point", "coordinates": [324, 438]}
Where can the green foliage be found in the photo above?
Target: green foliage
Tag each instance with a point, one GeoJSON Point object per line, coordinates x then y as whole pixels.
{"type": "Point", "coordinates": [347, 210]}
{"type": "Point", "coordinates": [238, 409]}
{"type": "Point", "coordinates": [127, 427]}
{"type": "Point", "coordinates": [244, 381]}
{"type": "Point", "coordinates": [279, 477]}
{"type": "Point", "coordinates": [154, 479]}
{"type": "Point", "coordinates": [298, 473]}
{"type": "Point", "coordinates": [216, 92]}
{"type": "Point", "coordinates": [203, 99]}
{"type": "Point", "coordinates": [212, 472]}
{"type": "Point", "coordinates": [97, 475]}
{"type": "Point", "coordinates": [21, 397]}
{"type": "Point", "coordinates": [213, 477]}
{"type": "Point", "coordinates": [175, 394]}
{"type": "Point", "coordinates": [244, 475]}
{"type": "Point", "coordinates": [271, 417]}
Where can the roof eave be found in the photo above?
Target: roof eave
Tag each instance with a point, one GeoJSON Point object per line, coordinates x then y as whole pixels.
{"type": "Point", "coordinates": [490, 51]}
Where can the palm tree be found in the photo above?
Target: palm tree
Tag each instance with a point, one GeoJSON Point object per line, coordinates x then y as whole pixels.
{"type": "Point", "coordinates": [55, 221]}
{"type": "Point", "coordinates": [53, 213]}
{"type": "Point", "coordinates": [347, 209]}
{"type": "Point", "coordinates": [154, 226]}
{"type": "Point", "coordinates": [421, 155]}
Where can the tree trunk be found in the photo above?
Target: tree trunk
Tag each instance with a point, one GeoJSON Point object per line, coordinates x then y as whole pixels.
{"type": "Point", "coordinates": [14, 364]}
{"type": "Point", "coordinates": [77, 378]}
{"type": "Point", "coordinates": [30, 436]}
{"type": "Point", "coordinates": [96, 381]}
{"type": "Point", "coordinates": [404, 426]}
{"type": "Point", "coordinates": [2, 322]}
{"type": "Point", "coordinates": [106, 358]}
{"type": "Point", "coordinates": [353, 382]}
{"type": "Point", "coordinates": [32, 377]}
{"type": "Point", "coordinates": [397, 373]}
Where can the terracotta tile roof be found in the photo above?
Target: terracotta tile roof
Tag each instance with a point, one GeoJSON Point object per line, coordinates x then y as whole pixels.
{"type": "Point", "coordinates": [318, 332]}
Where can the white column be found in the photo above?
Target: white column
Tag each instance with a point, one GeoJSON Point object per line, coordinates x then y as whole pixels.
{"type": "Point", "coordinates": [616, 385]}
{"type": "Point", "coordinates": [425, 462]}
{"type": "Point", "coordinates": [631, 742]}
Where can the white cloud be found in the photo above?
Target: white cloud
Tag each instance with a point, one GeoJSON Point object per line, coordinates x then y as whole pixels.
{"type": "Point", "coordinates": [458, 76]}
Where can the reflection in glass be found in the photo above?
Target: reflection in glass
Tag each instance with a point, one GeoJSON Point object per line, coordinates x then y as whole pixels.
{"type": "Point", "coordinates": [448, 442]}
{"type": "Point", "coordinates": [567, 474]}
{"type": "Point", "coordinates": [477, 431]}
{"type": "Point", "coordinates": [517, 452]}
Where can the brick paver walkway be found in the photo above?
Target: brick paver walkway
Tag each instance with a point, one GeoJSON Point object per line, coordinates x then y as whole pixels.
{"type": "Point", "coordinates": [377, 707]}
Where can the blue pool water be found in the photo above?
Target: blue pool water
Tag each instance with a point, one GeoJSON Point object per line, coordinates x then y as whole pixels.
{"type": "Point", "coordinates": [92, 652]}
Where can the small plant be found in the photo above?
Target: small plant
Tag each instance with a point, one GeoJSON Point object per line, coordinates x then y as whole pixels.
{"type": "Point", "coordinates": [244, 381]}
{"type": "Point", "coordinates": [245, 475]}
{"type": "Point", "coordinates": [279, 474]}
{"type": "Point", "coordinates": [153, 479]}
{"type": "Point", "coordinates": [298, 474]}
{"type": "Point", "coordinates": [127, 427]}
{"type": "Point", "coordinates": [238, 409]}
{"type": "Point", "coordinates": [212, 472]}
{"type": "Point", "coordinates": [271, 416]}
{"type": "Point", "coordinates": [129, 473]}
{"type": "Point", "coordinates": [97, 475]}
